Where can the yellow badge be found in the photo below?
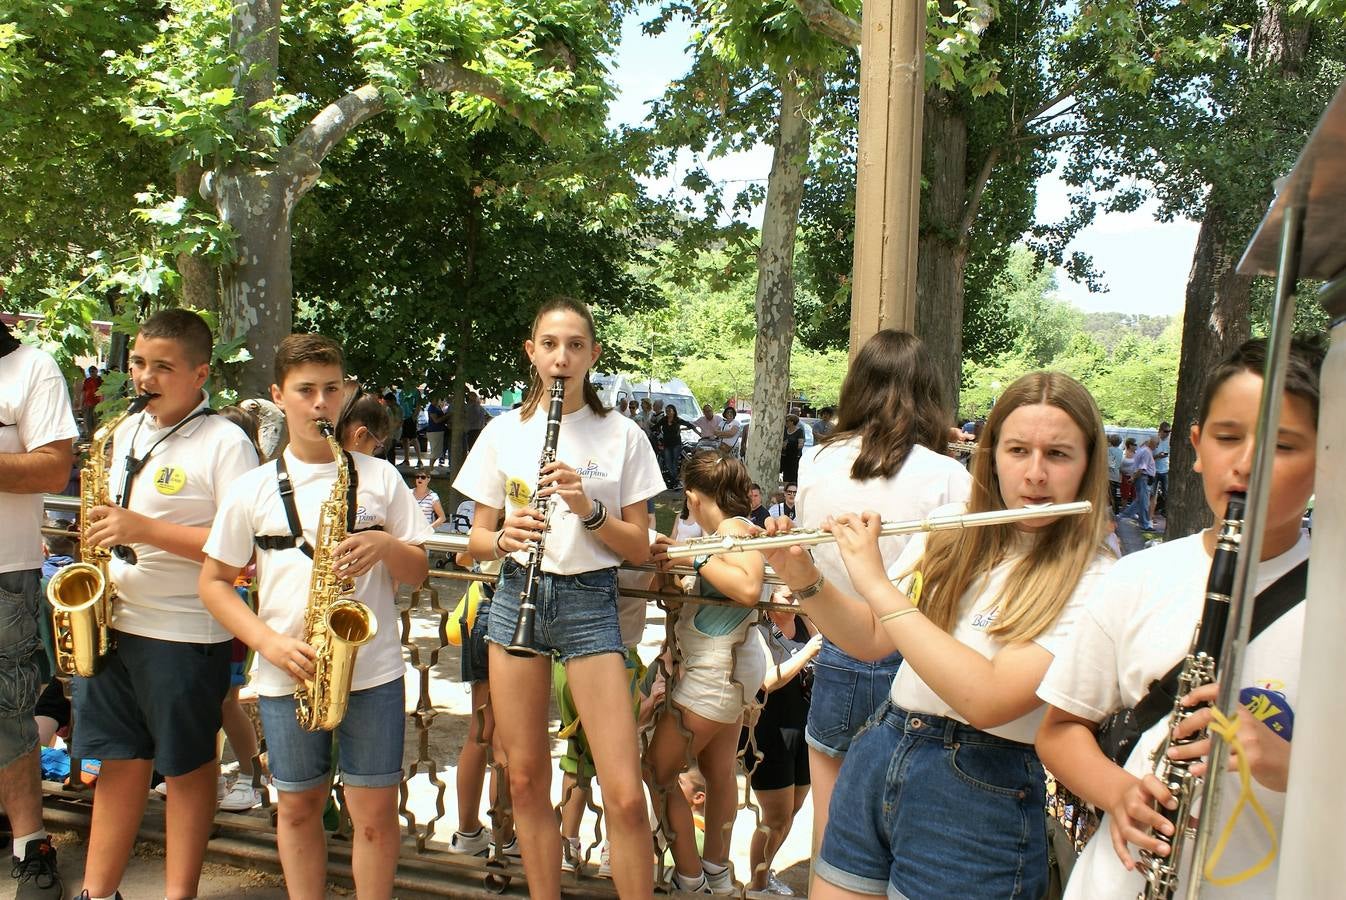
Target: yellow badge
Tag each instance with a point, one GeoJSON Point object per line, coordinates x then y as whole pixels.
{"type": "Point", "coordinates": [517, 492]}
{"type": "Point", "coordinates": [169, 480]}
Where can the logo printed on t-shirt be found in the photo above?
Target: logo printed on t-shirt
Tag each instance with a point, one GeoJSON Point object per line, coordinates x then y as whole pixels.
{"type": "Point", "coordinates": [517, 492]}
{"type": "Point", "coordinates": [985, 619]}
{"type": "Point", "coordinates": [168, 480]}
{"type": "Point", "coordinates": [1270, 707]}
{"type": "Point", "coordinates": [364, 518]}
{"type": "Point", "coordinates": [591, 470]}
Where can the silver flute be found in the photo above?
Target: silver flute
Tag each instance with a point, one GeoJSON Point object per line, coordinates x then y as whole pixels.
{"type": "Point", "coordinates": [714, 544]}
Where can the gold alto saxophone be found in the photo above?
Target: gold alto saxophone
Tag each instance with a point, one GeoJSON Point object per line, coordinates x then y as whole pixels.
{"type": "Point", "coordinates": [81, 593]}
{"type": "Point", "coordinates": [336, 625]}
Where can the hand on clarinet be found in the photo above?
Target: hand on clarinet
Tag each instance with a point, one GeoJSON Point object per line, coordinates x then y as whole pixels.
{"type": "Point", "coordinates": [1268, 755]}
{"type": "Point", "coordinates": [793, 564]}
{"type": "Point", "coordinates": [523, 526]}
{"type": "Point", "coordinates": [563, 481]}
{"type": "Point", "coordinates": [1133, 815]}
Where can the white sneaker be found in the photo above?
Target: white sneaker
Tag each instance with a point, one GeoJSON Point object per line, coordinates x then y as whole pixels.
{"type": "Point", "coordinates": [721, 882]}
{"type": "Point", "coordinates": [571, 853]}
{"type": "Point", "coordinates": [775, 886]}
{"type": "Point", "coordinates": [511, 849]}
{"type": "Point", "coordinates": [604, 861]}
{"type": "Point", "coordinates": [476, 844]}
{"type": "Point", "coordinates": [241, 797]}
{"type": "Point", "coordinates": [694, 885]}
{"type": "Point", "coordinates": [161, 789]}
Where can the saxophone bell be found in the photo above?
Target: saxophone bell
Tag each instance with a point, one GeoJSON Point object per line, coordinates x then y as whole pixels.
{"type": "Point", "coordinates": [81, 594]}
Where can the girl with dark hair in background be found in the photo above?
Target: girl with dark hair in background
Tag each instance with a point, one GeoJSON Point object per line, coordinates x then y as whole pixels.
{"type": "Point", "coordinates": [886, 452]}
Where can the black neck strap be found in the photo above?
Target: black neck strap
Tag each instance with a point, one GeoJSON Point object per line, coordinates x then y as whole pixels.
{"type": "Point", "coordinates": [1281, 596]}
{"type": "Point", "coordinates": [285, 486]}
{"type": "Point", "coordinates": [135, 464]}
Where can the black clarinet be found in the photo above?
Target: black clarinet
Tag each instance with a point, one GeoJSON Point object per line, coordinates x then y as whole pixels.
{"type": "Point", "coordinates": [522, 642]}
{"type": "Point", "coordinates": [1161, 872]}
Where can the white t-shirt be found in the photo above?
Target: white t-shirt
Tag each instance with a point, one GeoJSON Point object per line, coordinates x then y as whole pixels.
{"type": "Point", "coordinates": [1139, 623]}
{"type": "Point", "coordinates": [780, 509]}
{"type": "Point", "coordinates": [926, 481]}
{"type": "Point", "coordinates": [252, 506]}
{"type": "Point", "coordinates": [730, 441]}
{"type": "Point", "coordinates": [34, 412]}
{"type": "Point", "coordinates": [1161, 465]}
{"type": "Point", "coordinates": [684, 529]}
{"type": "Point", "coordinates": [183, 481]}
{"type": "Point", "coordinates": [611, 454]}
{"type": "Point", "coordinates": [977, 611]}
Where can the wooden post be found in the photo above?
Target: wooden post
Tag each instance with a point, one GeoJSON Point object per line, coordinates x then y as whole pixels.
{"type": "Point", "coordinates": [888, 168]}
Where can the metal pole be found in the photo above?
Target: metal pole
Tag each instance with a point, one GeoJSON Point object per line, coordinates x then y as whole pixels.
{"type": "Point", "coordinates": [1245, 572]}
{"type": "Point", "coordinates": [888, 168]}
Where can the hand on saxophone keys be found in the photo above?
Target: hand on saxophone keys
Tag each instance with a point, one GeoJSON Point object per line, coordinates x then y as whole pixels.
{"type": "Point", "coordinates": [112, 526]}
{"type": "Point", "coordinates": [289, 654]}
{"type": "Point", "coordinates": [1268, 754]}
{"type": "Point", "coordinates": [360, 552]}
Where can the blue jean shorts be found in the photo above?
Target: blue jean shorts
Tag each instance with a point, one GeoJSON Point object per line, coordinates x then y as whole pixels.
{"type": "Point", "coordinates": [369, 741]}
{"type": "Point", "coordinates": [846, 692]}
{"type": "Point", "coordinates": [576, 614]}
{"type": "Point", "coordinates": [20, 652]}
{"type": "Point", "coordinates": [927, 807]}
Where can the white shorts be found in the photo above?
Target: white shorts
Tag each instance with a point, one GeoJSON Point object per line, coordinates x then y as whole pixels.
{"type": "Point", "coordinates": [720, 674]}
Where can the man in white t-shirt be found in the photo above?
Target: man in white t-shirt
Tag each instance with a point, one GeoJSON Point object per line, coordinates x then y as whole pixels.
{"type": "Point", "coordinates": [155, 703]}
{"type": "Point", "coordinates": [37, 429]}
{"type": "Point", "coordinates": [1159, 496]}
{"type": "Point", "coordinates": [274, 511]}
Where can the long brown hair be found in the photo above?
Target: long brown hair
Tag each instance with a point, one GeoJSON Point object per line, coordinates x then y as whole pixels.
{"type": "Point", "coordinates": [1044, 579]}
{"type": "Point", "coordinates": [893, 399]}
{"type": "Point", "coordinates": [535, 389]}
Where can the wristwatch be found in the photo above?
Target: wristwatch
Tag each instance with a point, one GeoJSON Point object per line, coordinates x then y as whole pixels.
{"type": "Point", "coordinates": [810, 591]}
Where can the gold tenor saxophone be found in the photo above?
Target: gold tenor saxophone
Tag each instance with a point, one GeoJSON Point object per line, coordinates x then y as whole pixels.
{"type": "Point", "coordinates": [81, 593]}
{"type": "Point", "coordinates": [336, 625]}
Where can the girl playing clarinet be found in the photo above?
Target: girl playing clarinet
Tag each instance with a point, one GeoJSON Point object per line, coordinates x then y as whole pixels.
{"type": "Point", "coordinates": [604, 472]}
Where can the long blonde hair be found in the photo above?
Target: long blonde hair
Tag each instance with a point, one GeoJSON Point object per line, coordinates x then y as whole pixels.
{"type": "Point", "coordinates": [1044, 579]}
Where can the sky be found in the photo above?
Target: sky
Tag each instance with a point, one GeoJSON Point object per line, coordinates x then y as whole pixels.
{"type": "Point", "coordinates": [1144, 262]}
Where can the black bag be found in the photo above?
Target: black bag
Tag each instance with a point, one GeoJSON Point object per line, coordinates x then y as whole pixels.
{"type": "Point", "coordinates": [1119, 732]}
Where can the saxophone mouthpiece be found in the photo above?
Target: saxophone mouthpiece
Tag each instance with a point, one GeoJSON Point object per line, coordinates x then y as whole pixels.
{"type": "Point", "coordinates": [325, 428]}
{"type": "Point", "coordinates": [140, 401]}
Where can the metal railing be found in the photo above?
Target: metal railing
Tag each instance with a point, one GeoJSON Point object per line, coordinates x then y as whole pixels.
{"type": "Point", "coordinates": [423, 614]}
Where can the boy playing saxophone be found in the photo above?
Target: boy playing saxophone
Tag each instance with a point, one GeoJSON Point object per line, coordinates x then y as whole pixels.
{"type": "Point", "coordinates": [275, 510]}
{"type": "Point", "coordinates": [155, 701]}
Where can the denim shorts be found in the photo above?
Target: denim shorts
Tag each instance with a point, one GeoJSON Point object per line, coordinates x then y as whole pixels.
{"type": "Point", "coordinates": [846, 693]}
{"type": "Point", "coordinates": [576, 614]}
{"type": "Point", "coordinates": [369, 741]}
{"type": "Point", "coordinates": [153, 699]}
{"type": "Point", "coordinates": [20, 669]}
{"type": "Point", "coordinates": [929, 807]}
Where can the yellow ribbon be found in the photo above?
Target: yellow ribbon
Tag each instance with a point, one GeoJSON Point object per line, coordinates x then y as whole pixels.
{"type": "Point", "coordinates": [1228, 730]}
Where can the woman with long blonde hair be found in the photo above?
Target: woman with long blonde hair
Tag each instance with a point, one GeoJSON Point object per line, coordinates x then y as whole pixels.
{"type": "Point", "coordinates": [943, 795]}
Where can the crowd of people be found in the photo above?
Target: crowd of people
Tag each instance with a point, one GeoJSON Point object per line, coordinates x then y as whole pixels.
{"type": "Point", "coordinates": [915, 684]}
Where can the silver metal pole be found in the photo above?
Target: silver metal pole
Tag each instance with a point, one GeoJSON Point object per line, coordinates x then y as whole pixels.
{"type": "Point", "coordinates": [1245, 572]}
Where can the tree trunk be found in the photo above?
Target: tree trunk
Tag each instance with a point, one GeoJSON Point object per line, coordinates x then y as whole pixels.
{"type": "Point", "coordinates": [776, 287]}
{"type": "Point", "coordinates": [1215, 316]}
{"type": "Point", "coordinates": [256, 287]}
{"type": "Point", "coordinates": [200, 280]}
{"type": "Point", "coordinates": [942, 253]}
{"type": "Point", "coordinates": [1215, 321]}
